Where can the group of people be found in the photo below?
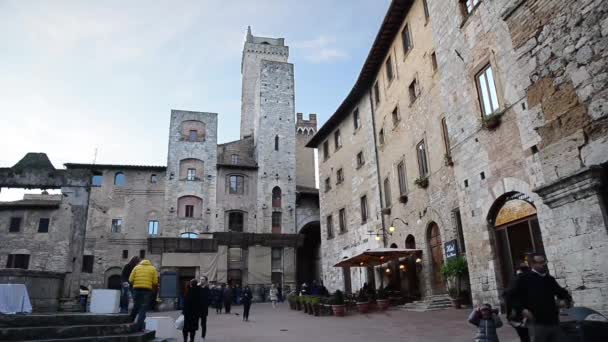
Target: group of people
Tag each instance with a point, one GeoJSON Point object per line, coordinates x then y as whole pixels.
{"type": "Point", "coordinates": [532, 308]}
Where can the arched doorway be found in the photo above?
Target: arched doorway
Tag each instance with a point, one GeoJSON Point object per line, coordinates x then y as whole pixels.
{"type": "Point", "coordinates": [410, 242]}
{"type": "Point", "coordinates": [411, 272]}
{"type": "Point", "coordinates": [436, 255]}
{"type": "Point", "coordinates": [309, 254]}
{"type": "Point", "coordinates": [114, 282]}
{"type": "Point", "coordinates": [517, 232]}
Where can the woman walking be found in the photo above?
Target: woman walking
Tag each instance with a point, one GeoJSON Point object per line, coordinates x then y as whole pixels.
{"type": "Point", "coordinates": [125, 291]}
{"type": "Point", "coordinates": [192, 310]}
{"type": "Point", "coordinates": [274, 295]}
{"type": "Point", "coordinates": [247, 297]}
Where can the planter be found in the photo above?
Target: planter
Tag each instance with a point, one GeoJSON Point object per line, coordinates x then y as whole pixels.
{"type": "Point", "coordinates": [316, 308]}
{"type": "Point", "coordinates": [363, 307]}
{"type": "Point", "coordinates": [492, 122]}
{"type": "Point", "coordinates": [383, 304]}
{"type": "Point", "coordinates": [338, 310]}
{"type": "Point", "coordinates": [373, 305]}
{"type": "Point", "coordinates": [403, 199]}
{"type": "Point", "coordinates": [311, 310]}
{"type": "Point", "coordinates": [298, 306]}
{"type": "Point", "coordinates": [456, 303]}
{"type": "Point", "coordinates": [422, 182]}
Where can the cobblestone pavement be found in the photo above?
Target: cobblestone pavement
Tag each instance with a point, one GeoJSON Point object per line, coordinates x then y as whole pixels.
{"type": "Point", "coordinates": [282, 324]}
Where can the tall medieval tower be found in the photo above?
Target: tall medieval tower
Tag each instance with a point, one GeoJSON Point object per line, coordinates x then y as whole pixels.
{"type": "Point", "coordinates": [305, 157]}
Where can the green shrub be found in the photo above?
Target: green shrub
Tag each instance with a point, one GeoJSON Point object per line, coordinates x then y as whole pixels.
{"type": "Point", "coordinates": [338, 298]}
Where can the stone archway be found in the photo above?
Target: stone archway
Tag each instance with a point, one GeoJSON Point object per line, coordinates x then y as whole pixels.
{"type": "Point", "coordinates": [309, 254]}
{"type": "Point", "coordinates": [435, 246]}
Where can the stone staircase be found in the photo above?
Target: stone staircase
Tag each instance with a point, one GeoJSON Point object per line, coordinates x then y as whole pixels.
{"type": "Point", "coordinates": [431, 303]}
{"type": "Point", "coordinates": [64, 327]}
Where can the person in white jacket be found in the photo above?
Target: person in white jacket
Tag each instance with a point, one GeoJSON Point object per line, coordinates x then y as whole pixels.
{"type": "Point", "coordinates": [274, 295]}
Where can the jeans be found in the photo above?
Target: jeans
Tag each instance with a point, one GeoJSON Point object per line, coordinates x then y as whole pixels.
{"type": "Point", "coordinates": [141, 298]}
{"type": "Point", "coordinates": [203, 326]}
{"type": "Point", "coordinates": [546, 333]}
{"type": "Point", "coordinates": [246, 308]}
{"type": "Point", "coordinates": [124, 299]}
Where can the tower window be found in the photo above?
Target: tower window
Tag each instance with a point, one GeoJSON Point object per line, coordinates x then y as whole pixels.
{"type": "Point", "coordinates": [389, 69]}
{"type": "Point", "coordinates": [236, 184]}
{"type": "Point", "coordinates": [97, 180]}
{"type": "Point", "coordinates": [116, 225]}
{"type": "Point", "coordinates": [153, 179]}
{"type": "Point", "coordinates": [235, 221]}
{"type": "Point", "coordinates": [192, 135]}
{"type": "Point", "coordinates": [360, 159]}
{"type": "Point", "coordinates": [395, 116]}
{"type": "Point", "coordinates": [276, 222]}
{"type": "Point", "coordinates": [87, 263]}
{"type": "Point", "coordinates": [153, 228]}
{"type": "Point", "coordinates": [234, 159]}
{"type": "Point", "coordinates": [191, 174]}
{"type": "Point", "coordinates": [189, 211]}
{"type": "Point", "coordinates": [423, 165]}
{"type": "Point", "coordinates": [381, 136]}
{"type": "Point", "coordinates": [413, 89]}
{"type": "Point", "coordinates": [363, 209]}
{"type": "Point", "coordinates": [43, 225]}
{"type": "Point", "coordinates": [434, 61]}
{"type": "Point", "coordinates": [18, 261]}
{"type": "Point", "coordinates": [276, 143]}
{"type": "Point", "coordinates": [337, 139]}
{"type": "Point", "coordinates": [387, 192]}
{"type": "Point", "coordinates": [330, 227]}
{"type": "Point", "coordinates": [342, 219]}
{"type": "Point", "coordinates": [15, 225]}
{"type": "Point", "coordinates": [406, 37]}
{"type": "Point", "coordinates": [339, 176]}
{"type": "Point", "coordinates": [325, 150]}
{"type": "Point", "coordinates": [276, 197]}
{"type": "Point", "coordinates": [119, 179]}
{"type": "Point", "coordinates": [356, 119]}
{"type": "Point", "coordinates": [487, 91]}
{"type": "Point", "coordinates": [377, 93]}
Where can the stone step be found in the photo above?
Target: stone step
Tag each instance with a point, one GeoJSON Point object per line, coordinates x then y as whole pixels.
{"type": "Point", "coordinates": [66, 331]}
{"type": "Point", "coordinates": [133, 337]}
{"type": "Point", "coordinates": [58, 319]}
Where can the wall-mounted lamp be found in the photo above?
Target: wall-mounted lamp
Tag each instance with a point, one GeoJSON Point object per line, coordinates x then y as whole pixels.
{"type": "Point", "coordinates": [172, 210]}
{"type": "Point", "coordinates": [388, 270]}
{"type": "Point", "coordinates": [392, 228]}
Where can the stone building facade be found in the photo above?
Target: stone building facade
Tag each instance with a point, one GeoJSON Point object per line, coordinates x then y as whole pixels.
{"type": "Point", "coordinates": [234, 212]}
{"type": "Point", "coordinates": [511, 106]}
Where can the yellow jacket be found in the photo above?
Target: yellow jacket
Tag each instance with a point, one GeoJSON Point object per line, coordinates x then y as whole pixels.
{"type": "Point", "coordinates": [144, 276]}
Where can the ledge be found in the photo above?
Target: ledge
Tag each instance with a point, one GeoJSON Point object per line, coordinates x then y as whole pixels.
{"type": "Point", "coordinates": [582, 184]}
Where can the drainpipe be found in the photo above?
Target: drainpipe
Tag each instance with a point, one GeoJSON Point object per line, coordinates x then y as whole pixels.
{"type": "Point", "coordinates": [384, 242]}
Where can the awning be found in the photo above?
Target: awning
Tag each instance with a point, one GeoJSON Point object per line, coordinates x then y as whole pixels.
{"type": "Point", "coordinates": [378, 256]}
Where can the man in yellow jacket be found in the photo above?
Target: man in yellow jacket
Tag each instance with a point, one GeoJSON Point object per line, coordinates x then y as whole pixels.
{"type": "Point", "coordinates": [144, 280]}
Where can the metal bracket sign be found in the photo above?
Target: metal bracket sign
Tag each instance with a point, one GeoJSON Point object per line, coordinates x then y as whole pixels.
{"type": "Point", "coordinates": [451, 249]}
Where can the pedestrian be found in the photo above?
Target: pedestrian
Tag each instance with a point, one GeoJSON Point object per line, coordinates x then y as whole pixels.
{"type": "Point", "coordinates": [487, 321]}
{"type": "Point", "coordinates": [191, 310]}
{"type": "Point", "coordinates": [280, 292]}
{"type": "Point", "coordinates": [125, 290]}
{"type": "Point", "coordinates": [238, 294]}
{"type": "Point", "coordinates": [84, 297]}
{"type": "Point", "coordinates": [204, 304]}
{"type": "Point", "coordinates": [274, 295]}
{"type": "Point", "coordinates": [246, 300]}
{"type": "Point", "coordinates": [218, 292]}
{"type": "Point", "coordinates": [314, 290]}
{"type": "Point", "coordinates": [533, 295]}
{"type": "Point", "coordinates": [144, 279]}
{"type": "Point", "coordinates": [515, 319]}
{"type": "Point", "coordinates": [304, 289]}
{"type": "Point", "coordinates": [227, 296]}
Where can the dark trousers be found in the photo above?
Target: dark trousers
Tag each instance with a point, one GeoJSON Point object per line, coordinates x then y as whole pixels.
{"type": "Point", "coordinates": [227, 304]}
{"type": "Point", "coordinates": [546, 333]}
{"type": "Point", "coordinates": [186, 333]}
{"type": "Point", "coordinates": [141, 298]}
{"type": "Point", "coordinates": [523, 334]}
{"type": "Point", "coordinates": [124, 299]}
{"type": "Point", "coordinates": [218, 307]}
{"type": "Point", "coordinates": [246, 307]}
{"type": "Point", "coordinates": [204, 326]}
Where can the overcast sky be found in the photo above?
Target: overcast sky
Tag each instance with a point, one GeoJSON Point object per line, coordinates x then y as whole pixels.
{"type": "Point", "coordinates": [76, 76]}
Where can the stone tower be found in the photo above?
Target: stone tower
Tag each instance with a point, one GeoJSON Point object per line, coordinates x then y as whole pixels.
{"type": "Point", "coordinates": [255, 50]}
{"type": "Point", "coordinates": [305, 157]}
{"type": "Point", "coordinates": [190, 187]}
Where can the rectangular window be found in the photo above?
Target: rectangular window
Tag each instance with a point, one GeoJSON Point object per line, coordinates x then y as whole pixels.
{"type": "Point", "coordinates": [406, 37]}
{"type": "Point", "coordinates": [337, 139]}
{"type": "Point", "coordinates": [360, 159]}
{"type": "Point", "coordinates": [327, 184]}
{"type": "Point", "coordinates": [152, 227]}
{"type": "Point", "coordinates": [116, 225]}
{"type": "Point", "coordinates": [326, 150]}
{"type": "Point", "coordinates": [395, 116]}
{"type": "Point", "coordinates": [277, 259]}
{"type": "Point", "coordinates": [387, 193]}
{"type": "Point", "coordinates": [446, 137]}
{"type": "Point", "coordinates": [413, 89]}
{"type": "Point", "coordinates": [330, 227]}
{"type": "Point", "coordinates": [43, 225]}
{"type": "Point", "coordinates": [235, 221]}
{"type": "Point", "coordinates": [97, 180]}
{"type": "Point", "coordinates": [381, 136]}
{"type": "Point", "coordinates": [189, 211]}
{"type": "Point", "coordinates": [236, 184]}
{"type": "Point", "coordinates": [434, 66]}
{"type": "Point", "coordinates": [402, 178]}
{"type": "Point", "coordinates": [125, 253]}
{"type": "Point", "coordinates": [18, 261]}
{"type": "Point", "coordinates": [389, 69]}
{"type": "Point", "coordinates": [234, 159]}
{"type": "Point", "coordinates": [235, 254]}
{"type": "Point", "coordinates": [426, 9]}
{"type": "Point", "coordinates": [377, 93]}
{"type": "Point", "coordinates": [423, 166]}
{"type": "Point", "coordinates": [153, 179]}
{"type": "Point", "coordinates": [87, 263]}
{"type": "Point", "coordinates": [142, 253]}
{"type": "Point", "coordinates": [193, 135]}
{"type": "Point", "coordinates": [342, 220]}
{"type": "Point", "coordinates": [15, 225]}
{"type": "Point", "coordinates": [191, 174]}
{"type": "Point", "coordinates": [487, 91]}
{"type": "Point", "coordinates": [458, 224]}
{"type": "Point", "coordinates": [363, 209]}
{"type": "Point", "coordinates": [469, 5]}
{"type": "Point", "coordinates": [339, 176]}
{"type": "Point", "coordinates": [276, 223]}
{"type": "Point", "coordinates": [356, 119]}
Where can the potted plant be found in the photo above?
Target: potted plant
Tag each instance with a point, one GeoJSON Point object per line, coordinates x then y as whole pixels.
{"type": "Point", "coordinates": [291, 299]}
{"type": "Point", "coordinates": [422, 182]}
{"type": "Point", "coordinates": [448, 159]}
{"type": "Point", "coordinates": [403, 199]}
{"type": "Point", "coordinates": [298, 303]}
{"type": "Point", "coordinates": [309, 304]}
{"type": "Point", "coordinates": [453, 271]}
{"type": "Point", "coordinates": [363, 302]}
{"type": "Point", "coordinates": [305, 303]}
{"type": "Point", "coordinates": [373, 304]}
{"type": "Point", "coordinates": [382, 299]}
{"type": "Point", "coordinates": [338, 304]}
{"type": "Point", "coordinates": [492, 121]}
{"type": "Point", "coordinates": [315, 302]}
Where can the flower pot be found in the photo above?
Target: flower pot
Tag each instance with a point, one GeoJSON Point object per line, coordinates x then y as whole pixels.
{"type": "Point", "coordinates": [311, 310]}
{"type": "Point", "coordinates": [316, 309]}
{"type": "Point", "coordinates": [383, 304]}
{"type": "Point", "coordinates": [373, 305]}
{"type": "Point", "coordinates": [456, 302]}
{"type": "Point", "coordinates": [338, 310]}
{"type": "Point", "coordinates": [298, 306]}
{"type": "Point", "coordinates": [363, 307]}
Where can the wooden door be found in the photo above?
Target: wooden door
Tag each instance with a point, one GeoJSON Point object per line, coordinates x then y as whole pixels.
{"type": "Point", "coordinates": [436, 248]}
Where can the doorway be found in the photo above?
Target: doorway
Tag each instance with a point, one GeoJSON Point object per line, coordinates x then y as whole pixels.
{"type": "Point", "coordinates": [114, 282]}
{"type": "Point", "coordinates": [309, 255]}
{"type": "Point", "coordinates": [436, 252]}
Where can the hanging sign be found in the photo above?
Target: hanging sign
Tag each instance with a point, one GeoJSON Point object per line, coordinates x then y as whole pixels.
{"type": "Point", "coordinates": [451, 249]}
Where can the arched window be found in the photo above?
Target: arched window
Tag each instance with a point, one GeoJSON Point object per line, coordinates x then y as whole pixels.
{"type": "Point", "coordinates": [191, 169]}
{"type": "Point", "coordinates": [410, 242]}
{"type": "Point", "coordinates": [193, 130]}
{"type": "Point", "coordinates": [235, 221]}
{"type": "Point", "coordinates": [119, 179]}
{"type": "Point", "coordinates": [190, 207]}
{"type": "Point", "coordinates": [394, 245]}
{"type": "Point", "coordinates": [276, 143]}
{"type": "Point", "coordinates": [276, 197]}
{"type": "Point", "coordinates": [188, 235]}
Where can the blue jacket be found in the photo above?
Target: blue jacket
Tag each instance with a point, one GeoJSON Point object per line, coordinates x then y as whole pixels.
{"type": "Point", "coordinates": [486, 328]}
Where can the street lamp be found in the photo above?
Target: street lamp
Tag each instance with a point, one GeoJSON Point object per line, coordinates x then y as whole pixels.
{"type": "Point", "coordinates": [392, 228]}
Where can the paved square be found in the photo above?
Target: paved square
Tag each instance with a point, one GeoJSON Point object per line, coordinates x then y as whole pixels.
{"type": "Point", "coordinates": [282, 324]}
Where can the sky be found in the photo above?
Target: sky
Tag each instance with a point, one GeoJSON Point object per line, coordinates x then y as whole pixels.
{"type": "Point", "coordinates": [88, 81]}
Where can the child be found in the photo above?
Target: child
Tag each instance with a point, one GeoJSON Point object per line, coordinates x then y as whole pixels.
{"type": "Point", "coordinates": [487, 321]}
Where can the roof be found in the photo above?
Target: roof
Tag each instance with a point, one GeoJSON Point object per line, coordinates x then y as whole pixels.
{"type": "Point", "coordinates": [114, 167]}
{"type": "Point", "coordinates": [32, 160]}
{"type": "Point", "coordinates": [378, 256]}
{"type": "Point", "coordinates": [31, 203]}
{"type": "Point", "coordinates": [388, 31]}
{"type": "Point", "coordinates": [307, 190]}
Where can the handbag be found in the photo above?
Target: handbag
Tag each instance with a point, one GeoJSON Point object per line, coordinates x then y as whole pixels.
{"type": "Point", "coordinates": [179, 322]}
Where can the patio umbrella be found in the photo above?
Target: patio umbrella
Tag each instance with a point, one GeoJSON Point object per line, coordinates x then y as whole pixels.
{"type": "Point", "coordinates": [378, 256]}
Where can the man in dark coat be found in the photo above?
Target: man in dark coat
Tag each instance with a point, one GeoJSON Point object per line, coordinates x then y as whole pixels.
{"type": "Point", "coordinates": [227, 296]}
{"type": "Point", "coordinates": [192, 310]}
{"type": "Point", "coordinates": [533, 295]}
{"type": "Point", "coordinates": [246, 300]}
{"type": "Point", "coordinates": [205, 295]}
{"type": "Point", "coordinates": [516, 320]}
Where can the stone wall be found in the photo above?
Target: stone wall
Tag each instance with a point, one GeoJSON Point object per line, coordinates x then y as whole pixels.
{"type": "Point", "coordinates": [44, 288]}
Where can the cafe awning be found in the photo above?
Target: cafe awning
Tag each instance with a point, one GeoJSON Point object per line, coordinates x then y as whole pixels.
{"type": "Point", "coordinates": [378, 256]}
